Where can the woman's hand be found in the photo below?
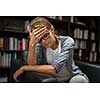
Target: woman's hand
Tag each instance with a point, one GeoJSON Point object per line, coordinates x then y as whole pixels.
{"type": "Point", "coordinates": [17, 73]}
{"type": "Point", "coordinates": [36, 35]}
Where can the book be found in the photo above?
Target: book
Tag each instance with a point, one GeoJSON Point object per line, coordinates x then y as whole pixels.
{"type": "Point", "coordinates": [5, 59]}
{"type": "Point", "coordinates": [11, 43]}
{"type": "Point", "coordinates": [80, 54]}
{"type": "Point", "coordinates": [1, 42]}
{"type": "Point", "coordinates": [92, 36]}
{"type": "Point", "coordinates": [78, 33]}
{"type": "Point", "coordinates": [15, 44]}
{"type": "Point", "coordinates": [23, 44]}
{"type": "Point", "coordinates": [93, 48]}
{"type": "Point", "coordinates": [9, 59]}
{"type": "Point", "coordinates": [93, 57]}
{"type": "Point", "coordinates": [85, 36]}
{"type": "Point", "coordinates": [99, 46]}
{"type": "Point", "coordinates": [3, 79]}
{"type": "Point", "coordinates": [72, 19]}
{"type": "Point", "coordinates": [76, 46]}
{"type": "Point", "coordinates": [0, 59]}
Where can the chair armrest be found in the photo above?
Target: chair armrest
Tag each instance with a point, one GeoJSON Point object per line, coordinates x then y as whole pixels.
{"type": "Point", "coordinates": [49, 80]}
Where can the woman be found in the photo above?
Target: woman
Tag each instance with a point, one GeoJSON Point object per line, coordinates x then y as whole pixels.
{"type": "Point", "coordinates": [50, 54]}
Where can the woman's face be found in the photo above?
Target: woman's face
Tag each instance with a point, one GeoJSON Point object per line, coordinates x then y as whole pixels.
{"type": "Point", "coordinates": [48, 39]}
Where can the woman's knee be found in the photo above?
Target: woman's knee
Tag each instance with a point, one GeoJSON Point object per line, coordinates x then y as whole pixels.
{"type": "Point", "coordinates": [79, 79]}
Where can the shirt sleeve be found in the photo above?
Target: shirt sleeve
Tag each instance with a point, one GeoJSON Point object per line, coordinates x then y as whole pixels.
{"type": "Point", "coordinates": [65, 54]}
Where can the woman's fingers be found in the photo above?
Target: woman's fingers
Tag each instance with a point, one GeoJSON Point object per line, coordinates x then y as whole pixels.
{"type": "Point", "coordinates": [39, 34]}
{"type": "Point", "coordinates": [37, 30]}
{"type": "Point", "coordinates": [17, 73]}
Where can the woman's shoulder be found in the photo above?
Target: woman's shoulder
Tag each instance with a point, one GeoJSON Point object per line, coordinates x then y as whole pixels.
{"type": "Point", "coordinates": [66, 39]}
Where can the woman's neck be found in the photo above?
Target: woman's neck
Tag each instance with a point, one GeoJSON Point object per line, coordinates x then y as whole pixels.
{"type": "Point", "coordinates": [55, 43]}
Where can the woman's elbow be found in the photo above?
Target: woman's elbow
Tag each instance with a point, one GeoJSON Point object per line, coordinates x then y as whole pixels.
{"type": "Point", "coordinates": [53, 70]}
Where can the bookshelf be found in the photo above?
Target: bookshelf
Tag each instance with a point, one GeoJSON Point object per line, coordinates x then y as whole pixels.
{"type": "Point", "coordinates": [98, 38]}
{"type": "Point", "coordinates": [13, 41]}
{"type": "Point", "coordinates": [85, 30]}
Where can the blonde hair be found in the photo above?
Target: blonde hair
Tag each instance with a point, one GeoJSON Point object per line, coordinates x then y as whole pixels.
{"type": "Point", "coordinates": [39, 22]}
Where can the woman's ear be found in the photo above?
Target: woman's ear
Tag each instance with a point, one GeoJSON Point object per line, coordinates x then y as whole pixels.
{"type": "Point", "coordinates": [29, 29]}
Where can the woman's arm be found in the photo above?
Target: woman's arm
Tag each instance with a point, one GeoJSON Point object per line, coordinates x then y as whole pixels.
{"type": "Point", "coordinates": [46, 69]}
{"type": "Point", "coordinates": [31, 55]}
{"type": "Point", "coordinates": [35, 36]}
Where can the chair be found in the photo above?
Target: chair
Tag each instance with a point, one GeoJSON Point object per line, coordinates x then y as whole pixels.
{"type": "Point", "coordinates": [29, 75]}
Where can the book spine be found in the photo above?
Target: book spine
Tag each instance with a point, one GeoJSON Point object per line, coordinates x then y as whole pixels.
{"type": "Point", "coordinates": [11, 43]}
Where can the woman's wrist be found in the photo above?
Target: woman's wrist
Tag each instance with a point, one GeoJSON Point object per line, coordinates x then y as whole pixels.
{"type": "Point", "coordinates": [31, 45]}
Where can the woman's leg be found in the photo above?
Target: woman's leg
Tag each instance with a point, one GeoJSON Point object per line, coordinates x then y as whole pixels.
{"type": "Point", "coordinates": [79, 79]}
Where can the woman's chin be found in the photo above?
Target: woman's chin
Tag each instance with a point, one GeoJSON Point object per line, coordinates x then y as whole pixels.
{"type": "Point", "coordinates": [47, 46]}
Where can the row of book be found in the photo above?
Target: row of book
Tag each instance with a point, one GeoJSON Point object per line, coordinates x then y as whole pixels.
{"type": "Point", "coordinates": [56, 17]}
{"type": "Point", "coordinates": [86, 56]}
{"type": "Point", "coordinates": [93, 57]}
{"type": "Point", "coordinates": [61, 18]}
{"type": "Point", "coordinates": [83, 34]}
{"type": "Point", "coordinates": [93, 47]}
{"type": "Point", "coordinates": [80, 44]}
{"type": "Point", "coordinates": [99, 46]}
{"type": "Point", "coordinates": [5, 58]}
{"type": "Point", "coordinates": [81, 54]}
{"type": "Point", "coordinates": [13, 43]}
{"type": "Point", "coordinates": [92, 36]}
{"type": "Point", "coordinates": [1, 42]}
{"type": "Point", "coordinates": [3, 79]}
{"type": "Point", "coordinates": [99, 57]}
{"type": "Point", "coordinates": [72, 19]}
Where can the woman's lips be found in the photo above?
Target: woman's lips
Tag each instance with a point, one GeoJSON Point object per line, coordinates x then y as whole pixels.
{"type": "Point", "coordinates": [46, 44]}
